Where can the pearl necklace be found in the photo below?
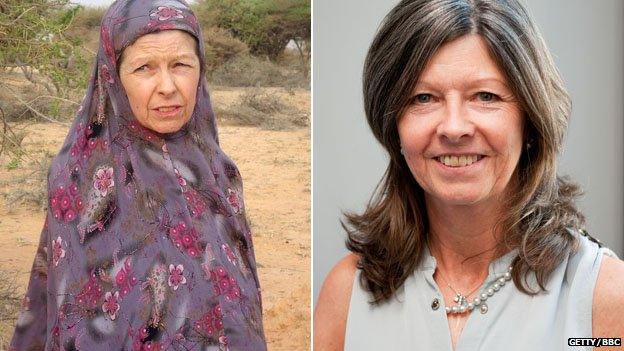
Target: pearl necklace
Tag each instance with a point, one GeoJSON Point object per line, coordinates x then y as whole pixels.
{"type": "Point", "coordinates": [461, 301]}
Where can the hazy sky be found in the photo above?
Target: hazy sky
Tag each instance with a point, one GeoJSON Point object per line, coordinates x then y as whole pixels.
{"type": "Point", "coordinates": [93, 2]}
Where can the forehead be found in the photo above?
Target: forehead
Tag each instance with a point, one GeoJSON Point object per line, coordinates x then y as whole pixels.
{"type": "Point", "coordinates": [161, 45]}
{"type": "Point", "coordinates": [464, 59]}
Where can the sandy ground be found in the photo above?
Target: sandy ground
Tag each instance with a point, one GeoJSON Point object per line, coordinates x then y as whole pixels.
{"type": "Point", "coordinates": [275, 166]}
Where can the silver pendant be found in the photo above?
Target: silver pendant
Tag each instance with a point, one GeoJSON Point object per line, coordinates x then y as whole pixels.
{"type": "Point", "coordinates": [460, 299]}
{"type": "Point", "coordinates": [483, 308]}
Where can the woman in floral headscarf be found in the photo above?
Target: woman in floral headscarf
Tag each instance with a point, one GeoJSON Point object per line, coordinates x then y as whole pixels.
{"type": "Point", "coordinates": [146, 244]}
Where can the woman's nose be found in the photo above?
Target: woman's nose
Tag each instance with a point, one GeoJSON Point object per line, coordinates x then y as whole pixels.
{"type": "Point", "coordinates": [166, 85]}
{"type": "Point", "coordinates": [455, 124]}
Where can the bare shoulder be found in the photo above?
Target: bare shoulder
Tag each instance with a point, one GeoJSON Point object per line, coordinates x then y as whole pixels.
{"type": "Point", "coordinates": [343, 272]}
{"type": "Point", "coordinates": [332, 307]}
{"type": "Point", "coordinates": [608, 306]}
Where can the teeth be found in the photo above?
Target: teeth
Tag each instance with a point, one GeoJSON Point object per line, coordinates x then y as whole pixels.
{"type": "Point", "coordinates": [462, 161]}
{"type": "Point", "coordinates": [166, 109]}
{"type": "Point", "coordinates": [458, 161]}
{"type": "Point", "coordinates": [454, 161]}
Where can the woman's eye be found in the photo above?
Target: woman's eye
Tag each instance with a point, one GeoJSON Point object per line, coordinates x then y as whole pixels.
{"type": "Point", "coordinates": [180, 64]}
{"type": "Point", "coordinates": [142, 68]}
{"type": "Point", "coordinates": [422, 98]}
{"type": "Point", "coordinates": [487, 97]}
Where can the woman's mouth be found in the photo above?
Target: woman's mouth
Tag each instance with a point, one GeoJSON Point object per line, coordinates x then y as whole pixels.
{"type": "Point", "coordinates": [167, 111]}
{"type": "Point", "coordinates": [458, 160]}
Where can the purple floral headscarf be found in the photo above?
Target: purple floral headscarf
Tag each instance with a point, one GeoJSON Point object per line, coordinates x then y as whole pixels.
{"type": "Point", "coordinates": [146, 244]}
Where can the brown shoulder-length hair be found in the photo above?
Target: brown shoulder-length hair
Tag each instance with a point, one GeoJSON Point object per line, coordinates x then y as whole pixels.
{"type": "Point", "coordinates": [391, 232]}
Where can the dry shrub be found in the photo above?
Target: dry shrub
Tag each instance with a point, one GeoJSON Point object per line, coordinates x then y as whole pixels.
{"type": "Point", "coordinates": [221, 47]}
{"type": "Point", "coordinates": [262, 101]}
{"type": "Point", "coordinates": [296, 61]}
{"type": "Point", "coordinates": [13, 87]}
{"type": "Point", "coordinates": [12, 143]}
{"type": "Point", "coordinates": [19, 97]}
{"type": "Point", "coordinates": [88, 17]}
{"type": "Point", "coordinates": [29, 187]}
{"type": "Point", "coordinates": [251, 71]}
{"type": "Point", "coordinates": [18, 112]}
{"type": "Point", "coordinates": [262, 109]}
{"type": "Point", "coordinates": [238, 115]}
{"type": "Point", "coordinates": [85, 29]}
{"type": "Point", "coordinates": [58, 110]}
{"type": "Point", "coordinates": [10, 298]}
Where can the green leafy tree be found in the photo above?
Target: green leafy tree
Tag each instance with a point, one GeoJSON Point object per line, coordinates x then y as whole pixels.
{"type": "Point", "coordinates": [266, 26]}
{"type": "Point", "coordinates": [32, 39]}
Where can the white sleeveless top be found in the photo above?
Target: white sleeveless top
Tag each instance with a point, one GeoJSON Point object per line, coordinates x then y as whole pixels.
{"type": "Point", "coordinates": [514, 321]}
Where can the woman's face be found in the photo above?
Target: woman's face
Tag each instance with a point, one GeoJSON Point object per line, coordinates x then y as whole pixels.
{"type": "Point", "coordinates": [462, 133]}
{"type": "Point", "coordinates": [160, 73]}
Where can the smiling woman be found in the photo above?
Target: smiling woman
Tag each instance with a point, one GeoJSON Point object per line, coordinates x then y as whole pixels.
{"type": "Point", "coordinates": [471, 241]}
{"type": "Point", "coordinates": [462, 134]}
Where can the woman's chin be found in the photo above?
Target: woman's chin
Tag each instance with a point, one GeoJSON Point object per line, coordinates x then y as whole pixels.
{"type": "Point", "coordinates": [458, 198]}
{"type": "Point", "coordinates": [166, 127]}
{"type": "Point", "coordinates": [162, 125]}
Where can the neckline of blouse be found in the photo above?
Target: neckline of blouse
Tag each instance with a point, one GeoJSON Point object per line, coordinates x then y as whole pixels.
{"type": "Point", "coordinates": [497, 267]}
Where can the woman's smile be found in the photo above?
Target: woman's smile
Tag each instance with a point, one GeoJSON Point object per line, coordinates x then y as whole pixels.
{"type": "Point", "coordinates": [458, 160]}
{"type": "Point", "coordinates": [460, 164]}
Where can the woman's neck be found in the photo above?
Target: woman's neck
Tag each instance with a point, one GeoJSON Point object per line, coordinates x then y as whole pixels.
{"type": "Point", "coordinates": [463, 240]}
